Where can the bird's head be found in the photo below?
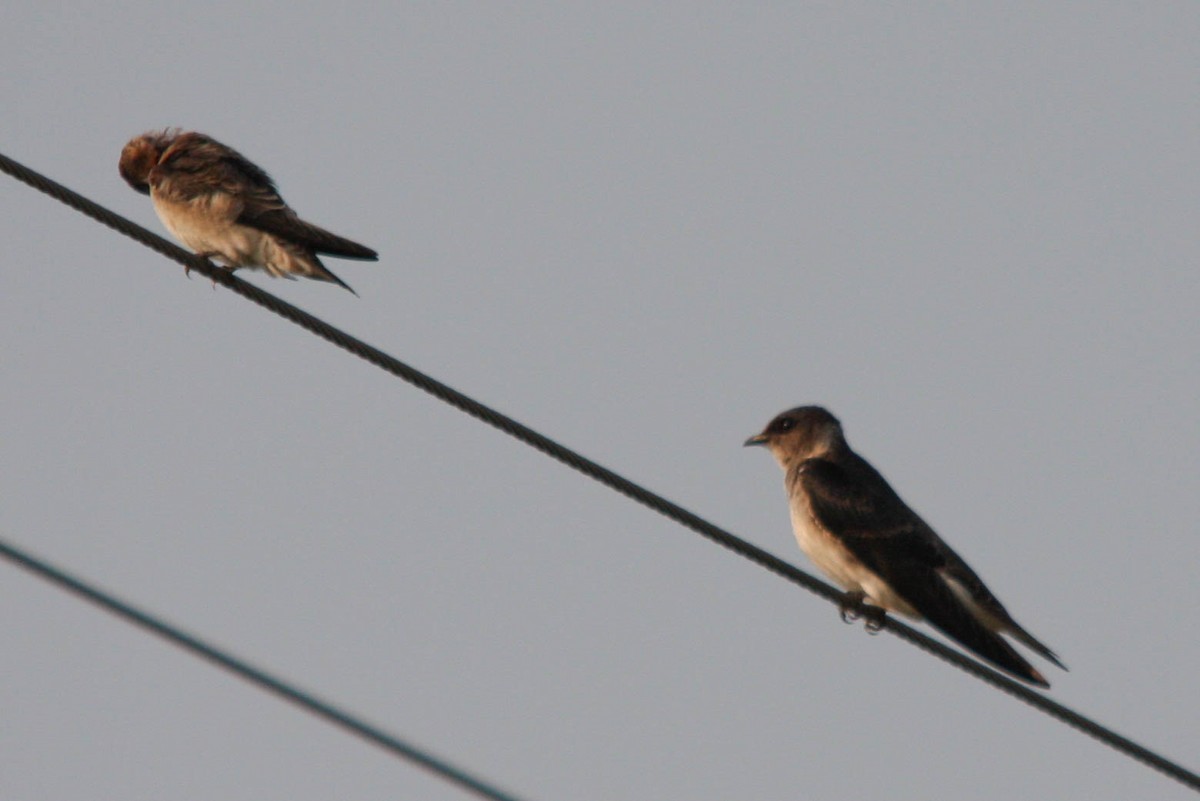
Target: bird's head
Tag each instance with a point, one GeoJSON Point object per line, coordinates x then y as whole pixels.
{"type": "Point", "coordinates": [801, 433]}
{"type": "Point", "coordinates": [141, 155]}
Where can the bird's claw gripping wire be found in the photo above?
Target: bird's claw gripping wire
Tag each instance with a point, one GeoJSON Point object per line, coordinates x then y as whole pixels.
{"type": "Point", "coordinates": [207, 256]}
{"type": "Point", "coordinates": [852, 607]}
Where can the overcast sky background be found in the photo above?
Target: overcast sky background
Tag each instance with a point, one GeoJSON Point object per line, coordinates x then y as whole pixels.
{"type": "Point", "coordinates": [971, 231]}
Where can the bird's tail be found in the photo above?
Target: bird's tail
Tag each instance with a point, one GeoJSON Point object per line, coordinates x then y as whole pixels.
{"type": "Point", "coordinates": [323, 273]}
{"type": "Point", "coordinates": [989, 645]}
{"type": "Point", "coordinates": [287, 260]}
{"type": "Point", "coordinates": [942, 604]}
{"type": "Point", "coordinates": [1031, 641]}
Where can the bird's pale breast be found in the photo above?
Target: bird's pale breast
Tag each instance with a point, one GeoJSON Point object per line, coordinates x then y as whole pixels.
{"type": "Point", "coordinates": [836, 561]}
{"type": "Point", "coordinates": [206, 226]}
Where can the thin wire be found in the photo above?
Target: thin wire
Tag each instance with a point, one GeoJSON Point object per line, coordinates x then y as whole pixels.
{"type": "Point", "coordinates": [256, 676]}
{"type": "Point", "coordinates": [590, 468]}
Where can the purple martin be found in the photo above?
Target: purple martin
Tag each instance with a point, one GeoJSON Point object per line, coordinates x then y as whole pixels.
{"type": "Point", "coordinates": [220, 204]}
{"type": "Point", "coordinates": [857, 530]}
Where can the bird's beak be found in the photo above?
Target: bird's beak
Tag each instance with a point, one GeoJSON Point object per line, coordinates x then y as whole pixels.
{"type": "Point", "coordinates": [757, 439]}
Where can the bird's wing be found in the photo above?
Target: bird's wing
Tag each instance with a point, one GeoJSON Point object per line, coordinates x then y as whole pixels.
{"type": "Point", "coordinates": [195, 166]}
{"type": "Point", "coordinates": [863, 512]}
{"type": "Point", "coordinates": [274, 217]}
{"type": "Point", "coordinates": [960, 572]}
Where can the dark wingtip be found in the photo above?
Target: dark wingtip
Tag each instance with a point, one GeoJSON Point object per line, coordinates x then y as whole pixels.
{"type": "Point", "coordinates": [328, 244]}
{"type": "Point", "coordinates": [1033, 642]}
{"type": "Point", "coordinates": [968, 631]}
{"type": "Point", "coordinates": [359, 252]}
{"type": "Point", "coordinates": [1037, 679]}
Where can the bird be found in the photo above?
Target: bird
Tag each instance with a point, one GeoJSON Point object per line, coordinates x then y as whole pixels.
{"type": "Point", "coordinates": [220, 204]}
{"type": "Point", "coordinates": [851, 523]}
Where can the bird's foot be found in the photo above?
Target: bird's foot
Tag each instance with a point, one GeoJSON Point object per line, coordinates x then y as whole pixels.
{"type": "Point", "coordinates": [875, 619]}
{"type": "Point", "coordinates": [207, 255]}
{"type": "Point", "coordinates": [853, 607]}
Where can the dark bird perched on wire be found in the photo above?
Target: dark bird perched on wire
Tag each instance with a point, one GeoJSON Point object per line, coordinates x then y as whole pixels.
{"type": "Point", "coordinates": [220, 204]}
{"type": "Point", "coordinates": [855, 528]}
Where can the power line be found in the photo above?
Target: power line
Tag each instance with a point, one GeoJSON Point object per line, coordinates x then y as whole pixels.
{"type": "Point", "coordinates": [256, 676]}
{"type": "Point", "coordinates": [588, 467]}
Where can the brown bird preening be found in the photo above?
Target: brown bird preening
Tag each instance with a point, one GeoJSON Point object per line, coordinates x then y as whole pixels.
{"type": "Point", "coordinates": [857, 530]}
{"type": "Point", "coordinates": [222, 205]}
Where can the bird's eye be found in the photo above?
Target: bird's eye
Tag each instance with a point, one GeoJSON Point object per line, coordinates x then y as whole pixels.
{"type": "Point", "coordinates": [786, 424]}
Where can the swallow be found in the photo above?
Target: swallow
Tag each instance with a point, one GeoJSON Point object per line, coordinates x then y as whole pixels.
{"type": "Point", "coordinates": [220, 204]}
{"type": "Point", "coordinates": [856, 529]}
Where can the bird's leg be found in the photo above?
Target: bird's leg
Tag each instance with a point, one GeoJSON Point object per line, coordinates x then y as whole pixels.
{"type": "Point", "coordinates": [852, 607]}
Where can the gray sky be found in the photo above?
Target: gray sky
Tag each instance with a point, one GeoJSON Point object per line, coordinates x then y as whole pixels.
{"type": "Point", "coordinates": [970, 231]}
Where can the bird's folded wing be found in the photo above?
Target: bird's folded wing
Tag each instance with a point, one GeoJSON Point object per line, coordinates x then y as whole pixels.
{"type": "Point", "coordinates": [894, 543]}
{"type": "Point", "coordinates": [277, 219]}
